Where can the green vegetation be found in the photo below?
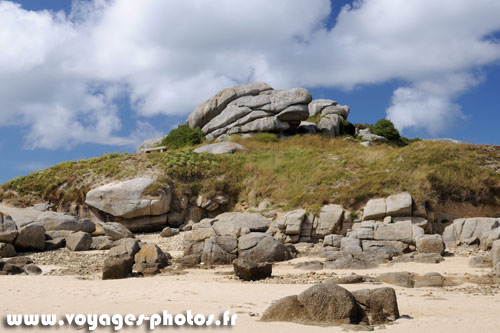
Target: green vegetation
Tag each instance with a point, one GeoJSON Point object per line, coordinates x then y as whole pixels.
{"type": "Point", "coordinates": [385, 128]}
{"type": "Point", "coordinates": [183, 136]}
{"type": "Point", "coordinates": [304, 171]}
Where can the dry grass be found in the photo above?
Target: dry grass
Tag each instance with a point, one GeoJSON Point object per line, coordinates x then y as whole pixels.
{"type": "Point", "coordinates": [304, 171]}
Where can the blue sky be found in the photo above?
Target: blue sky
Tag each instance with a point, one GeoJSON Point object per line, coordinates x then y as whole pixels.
{"type": "Point", "coordinates": [86, 78]}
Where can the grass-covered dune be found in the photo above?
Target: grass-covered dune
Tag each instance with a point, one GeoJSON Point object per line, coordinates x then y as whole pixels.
{"type": "Point", "coordinates": [303, 171]}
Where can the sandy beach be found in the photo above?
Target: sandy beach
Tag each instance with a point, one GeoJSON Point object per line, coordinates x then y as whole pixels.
{"type": "Point", "coordinates": [467, 307]}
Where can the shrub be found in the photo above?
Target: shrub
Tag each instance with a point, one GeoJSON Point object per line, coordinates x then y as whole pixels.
{"type": "Point", "coordinates": [385, 128]}
{"type": "Point", "coordinates": [183, 136]}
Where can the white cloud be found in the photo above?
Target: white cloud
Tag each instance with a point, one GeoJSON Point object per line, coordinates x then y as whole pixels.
{"type": "Point", "coordinates": [60, 76]}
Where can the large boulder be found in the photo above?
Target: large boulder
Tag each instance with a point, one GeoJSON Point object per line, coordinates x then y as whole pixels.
{"type": "Point", "coordinates": [430, 244]}
{"type": "Point", "coordinates": [261, 247]}
{"type": "Point", "coordinates": [291, 222]}
{"type": "Point", "coordinates": [375, 209]}
{"type": "Point", "coordinates": [53, 221]}
{"type": "Point", "coordinates": [330, 125]}
{"type": "Point", "coordinates": [220, 148]}
{"type": "Point", "coordinates": [250, 271]}
{"type": "Point", "coordinates": [405, 232]}
{"type": "Point", "coordinates": [120, 260]}
{"type": "Point", "coordinates": [125, 199]}
{"type": "Point", "coordinates": [330, 220]}
{"type": "Point", "coordinates": [255, 222]}
{"type": "Point", "coordinates": [31, 237]}
{"type": "Point", "coordinates": [8, 228]}
{"type": "Point", "coordinates": [7, 250]}
{"type": "Point", "coordinates": [79, 241]}
{"type": "Point", "coordinates": [115, 230]}
{"type": "Point", "coordinates": [379, 305]}
{"type": "Point", "coordinates": [219, 250]}
{"type": "Point", "coordinates": [323, 304]}
{"type": "Point", "coordinates": [399, 204]}
{"type": "Point", "coordinates": [150, 259]}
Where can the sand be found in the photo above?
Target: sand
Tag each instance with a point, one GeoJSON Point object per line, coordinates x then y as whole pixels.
{"type": "Point", "coordinates": [464, 308]}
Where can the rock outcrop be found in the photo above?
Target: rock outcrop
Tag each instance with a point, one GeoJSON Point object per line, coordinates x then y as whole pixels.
{"type": "Point", "coordinates": [480, 231]}
{"type": "Point", "coordinates": [124, 202]}
{"type": "Point", "coordinates": [252, 107]}
{"type": "Point", "coordinates": [228, 236]}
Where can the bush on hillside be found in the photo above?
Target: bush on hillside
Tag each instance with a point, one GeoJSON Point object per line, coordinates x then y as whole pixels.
{"type": "Point", "coordinates": [183, 136]}
{"type": "Point", "coordinates": [385, 128]}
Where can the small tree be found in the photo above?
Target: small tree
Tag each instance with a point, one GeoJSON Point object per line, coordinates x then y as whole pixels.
{"type": "Point", "coordinates": [183, 136]}
{"type": "Point", "coordinates": [385, 128]}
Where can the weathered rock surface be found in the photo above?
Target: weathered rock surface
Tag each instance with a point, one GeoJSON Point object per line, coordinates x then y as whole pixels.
{"type": "Point", "coordinates": [469, 231]}
{"type": "Point", "coordinates": [253, 107]}
{"type": "Point", "coordinates": [378, 305]}
{"type": "Point", "coordinates": [115, 230]}
{"type": "Point", "coordinates": [251, 271]}
{"type": "Point", "coordinates": [53, 221]}
{"type": "Point", "coordinates": [220, 148]}
{"type": "Point", "coordinates": [330, 220]}
{"type": "Point", "coordinates": [126, 200]}
{"type": "Point", "coordinates": [120, 259]}
{"type": "Point", "coordinates": [399, 205]}
{"type": "Point", "coordinates": [150, 259]}
{"type": "Point", "coordinates": [375, 209]}
{"type": "Point", "coordinates": [260, 247]}
{"type": "Point", "coordinates": [404, 231]}
{"type": "Point", "coordinates": [330, 125]}
{"type": "Point", "coordinates": [323, 304]}
{"type": "Point", "coordinates": [7, 250]}
{"type": "Point", "coordinates": [79, 241]}
{"type": "Point", "coordinates": [31, 237]}
{"type": "Point", "coordinates": [430, 244]}
{"type": "Point", "coordinates": [8, 229]}
{"type": "Point", "coordinates": [328, 304]}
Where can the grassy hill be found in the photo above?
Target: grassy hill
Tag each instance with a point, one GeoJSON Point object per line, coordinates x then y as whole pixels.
{"type": "Point", "coordinates": [304, 171]}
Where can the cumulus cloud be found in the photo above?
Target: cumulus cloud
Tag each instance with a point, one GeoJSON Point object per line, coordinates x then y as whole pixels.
{"type": "Point", "coordinates": [61, 76]}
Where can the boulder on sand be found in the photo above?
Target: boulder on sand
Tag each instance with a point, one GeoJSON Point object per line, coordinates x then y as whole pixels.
{"type": "Point", "coordinates": [150, 259]}
{"type": "Point", "coordinates": [31, 237]}
{"type": "Point", "coordinates": [250, 271]}
{"type": "Point", "coordinates": [120, 260]}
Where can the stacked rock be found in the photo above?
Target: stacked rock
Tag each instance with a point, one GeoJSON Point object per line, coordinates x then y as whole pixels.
{"type": "Point", "coordinates": [253, 107]}
{"type": "Point", "coordinates": [332, 115]}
